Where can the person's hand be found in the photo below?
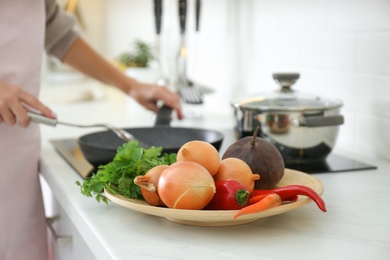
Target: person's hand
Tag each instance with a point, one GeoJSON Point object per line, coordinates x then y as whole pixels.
{"type": "Point", "coordinates": [85, 59]}
{"type": "Point", "coordinates": [13, 103]}
{"type": "Point", "coordinates": [147, 95]}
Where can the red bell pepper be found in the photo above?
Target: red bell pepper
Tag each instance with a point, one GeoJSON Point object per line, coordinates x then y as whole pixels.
{"type": "Point", "coordinates": [229, 195]}
{"type": "Point", "coordinates": [290, 191]}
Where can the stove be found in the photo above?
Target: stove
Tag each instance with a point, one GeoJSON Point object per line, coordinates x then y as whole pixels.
{"type": "Point", "coordinates": [334, 163]}
{"type": "Point", "coordinates": [70, 151]}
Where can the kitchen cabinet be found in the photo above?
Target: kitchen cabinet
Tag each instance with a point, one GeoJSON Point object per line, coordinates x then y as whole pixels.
{"type": "Point", "coordinates": [65, 241]}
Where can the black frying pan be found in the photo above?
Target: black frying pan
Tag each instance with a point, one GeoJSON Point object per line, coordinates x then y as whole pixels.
{"type": "Point", "coordinates": [100, 147]}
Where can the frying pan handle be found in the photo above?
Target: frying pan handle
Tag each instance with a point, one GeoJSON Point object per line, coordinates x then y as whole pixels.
{"type": "Point", "coordinates": [164, 116]}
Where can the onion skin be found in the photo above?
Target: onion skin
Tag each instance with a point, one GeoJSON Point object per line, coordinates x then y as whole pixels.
{"type": "Point", "coordinates": [148, 184]}
{"type": "Point", "coordinates": [200, 152]}
{"type": "Point", "coordinates": [186, 185]}
{"type": "Point", "coordinates": [236, 169]}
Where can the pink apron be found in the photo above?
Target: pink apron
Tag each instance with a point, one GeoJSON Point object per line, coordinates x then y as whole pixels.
{"type": "Point", "coordinates": [22, 218]}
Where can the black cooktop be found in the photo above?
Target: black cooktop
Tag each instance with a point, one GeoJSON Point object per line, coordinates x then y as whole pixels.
{"type": "Point", "coordinates": [70, 151]}
{"type": "Point", "coordinates": [332, 163]}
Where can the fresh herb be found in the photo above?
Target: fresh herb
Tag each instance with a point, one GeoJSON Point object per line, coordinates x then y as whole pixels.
{"type": "Point", "coordinates": [139, 57]}
{"type": "Point", "coordinates": [118, 176]}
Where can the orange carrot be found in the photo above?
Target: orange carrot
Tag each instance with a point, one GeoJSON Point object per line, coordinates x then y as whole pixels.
{"type": "Point", "coordinates": [256, 199]}
{"type": "Point", "coordinates": [270, 201]}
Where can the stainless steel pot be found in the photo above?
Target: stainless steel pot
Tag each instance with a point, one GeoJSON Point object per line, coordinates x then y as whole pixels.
{"type": "Point", "coordinates": [303, 127]}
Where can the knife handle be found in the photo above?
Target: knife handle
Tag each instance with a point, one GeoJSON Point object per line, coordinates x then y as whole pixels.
{"type": "Point", "coordinates": [182, 15]}
{"type": "Point", "coordinates": [158, 14]}
{"type": "Point", "coordinates": [197, 14]}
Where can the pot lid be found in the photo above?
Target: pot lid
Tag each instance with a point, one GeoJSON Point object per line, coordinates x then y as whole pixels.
{"type": "Point", "coordinates": [286, 99]}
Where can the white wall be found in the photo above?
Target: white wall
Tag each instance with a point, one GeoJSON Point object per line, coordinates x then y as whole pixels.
{"type": "Point", "coordinates": [211, 57]}
{"type": "Point", "coordinates": [341, 48]}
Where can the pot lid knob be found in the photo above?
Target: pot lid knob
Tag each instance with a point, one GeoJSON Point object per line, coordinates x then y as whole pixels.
{"type": "Point", "coordinates": [285, 80]}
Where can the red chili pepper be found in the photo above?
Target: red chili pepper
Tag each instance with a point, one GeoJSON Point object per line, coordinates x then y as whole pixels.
{"type": "Point", "coordinates": [294, 190]}
{"type": "Point", "coordinates": [229, 195]}
{"type": "Point", "coordinates": [257, 198]}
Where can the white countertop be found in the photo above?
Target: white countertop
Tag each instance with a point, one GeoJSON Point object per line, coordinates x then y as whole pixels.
{"type": "Point", "coordinates": [356, 225]}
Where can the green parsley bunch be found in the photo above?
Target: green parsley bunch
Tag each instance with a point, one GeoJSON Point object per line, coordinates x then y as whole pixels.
{"type": "Point", "coordinates": [117, 177]}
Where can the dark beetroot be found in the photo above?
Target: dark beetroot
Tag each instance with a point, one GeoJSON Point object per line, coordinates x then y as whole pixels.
{"type": "Point", "coordinates": [261, 156]}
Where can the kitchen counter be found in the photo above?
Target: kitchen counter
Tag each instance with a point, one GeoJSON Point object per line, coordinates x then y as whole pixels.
{"type": "Point", "coordinates": [356, 225]}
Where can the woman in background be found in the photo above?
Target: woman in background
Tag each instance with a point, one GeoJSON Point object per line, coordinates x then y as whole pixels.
{"type": "Point", "coordinates": [27, 29]}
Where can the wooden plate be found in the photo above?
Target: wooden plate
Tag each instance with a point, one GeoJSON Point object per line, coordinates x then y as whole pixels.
{"type": "Point", "coordinates": [222, 217]}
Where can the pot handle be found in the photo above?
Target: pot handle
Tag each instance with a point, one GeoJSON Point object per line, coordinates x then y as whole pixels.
{"type": "Point", "coordinates": [318, 121]}
{"type": "Point", "coordinates": [164, 116]}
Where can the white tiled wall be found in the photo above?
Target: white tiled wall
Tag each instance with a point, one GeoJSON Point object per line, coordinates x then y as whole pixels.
{"type": "Point", "coordinates": [341, 48]}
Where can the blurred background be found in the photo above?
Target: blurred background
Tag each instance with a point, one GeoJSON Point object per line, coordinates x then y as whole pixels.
{"type": "Point", "coordinates": [339, 47]}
